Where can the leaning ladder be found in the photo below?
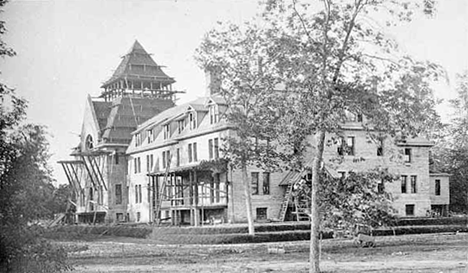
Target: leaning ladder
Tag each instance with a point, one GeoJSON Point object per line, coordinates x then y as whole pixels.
{"type": "Point", "coordinates": [285, 204]}
{"type": "Point", "coordinates": [162, 190]}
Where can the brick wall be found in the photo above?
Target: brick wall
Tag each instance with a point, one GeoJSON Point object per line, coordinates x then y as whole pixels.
{"type": "Point", "coordinates": [365, 158]}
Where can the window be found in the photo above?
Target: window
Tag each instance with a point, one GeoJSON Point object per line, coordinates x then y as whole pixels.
{"type": "Point", "coordinates": [181, 125]}
{"type": "Point", "coordinates": [262, 213]}
{"type": "Point", "coordinates": [190, 159]}
{"type": "Point", "coordinates": [148, 163]}
{"type": "Point", "coordinates": [138, 215]}
{"type": "Point", "coordinates": [437, 187]}
{"type": "Point", "coordinates": [119, 217]}
{"type": "Point", "coordinates": [346, 148]}
{"type": "Point", "coordinates": [118, 194]}
{"type": "Point", "coordinates": [217, 179]}
{"type": "Point", "coordinates": [178, 157]}
{"type": "Point", "coordinates": [214, 114]}
{"type": "Point", "coordinates": [404, 179]}
{"type": "Point", "coordinates": [210, 149]}
{"type": "Point", "coordinates": [136, 194]}
{"type": "Point", "coordinates": [166, 159]}
{"type": "Point", "coordinates": [139, 194]}
{"type": "Point", "coordinates": [216, 148]}
{"type": "Point", "coordinates": [166, 131]}
{"type": "Point", "coordinates": [407, 155]}
{"type": "Point", "coordinates": [192, 121]}
{"type": "Point", "coordinates": [149, 134]}
{"type": "Point", "coordinates": [266, 183]}
{"type": "Point", "coordinates": [195, 152]}
{"type": "Point", "coordinates": [137, 165]}
{"type": "Point", "coordinates": [137, 139]}
{"type": "Point", "coordinates": [380, 147]}
{"type": "Point", "coordinates": [413, 184]}
{"type": "Point", "coordinates": [409, 209]}
{"type": "Point", "coordinates": [213, 148]}
{"type": "Point", "coordinates": [151, 163]}
{"type": "Point", "coordinates": [254, 183]}
{"type": "Point", "coordinates": [350, 145]}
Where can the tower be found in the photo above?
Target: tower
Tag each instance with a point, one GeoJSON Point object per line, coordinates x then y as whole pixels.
{"type": "Point", "coordinates": [138, 75]}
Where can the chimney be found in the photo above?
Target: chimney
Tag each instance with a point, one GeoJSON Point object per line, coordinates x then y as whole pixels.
{"type": "Point", "coordinates": [213, 80]}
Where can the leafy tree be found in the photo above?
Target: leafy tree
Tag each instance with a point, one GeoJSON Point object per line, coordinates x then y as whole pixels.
{"type": "Point", "coordinates": [449, 155]}
{"type": "Point", "coordinates": [331, 57]}
{"type": "Point", "coordinates": [346, 202]}
{"type": "Point", "coordinates": [25, 187]}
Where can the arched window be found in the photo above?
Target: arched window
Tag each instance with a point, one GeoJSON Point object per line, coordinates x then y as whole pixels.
{"type": "Point", "coordinates": [89, 144]}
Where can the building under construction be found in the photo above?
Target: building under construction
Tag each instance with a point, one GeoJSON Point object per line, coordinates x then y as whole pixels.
{"type": "Point", "coordinates": [141, 158]}
{"type": "Point", "coordinates": [138, 90]}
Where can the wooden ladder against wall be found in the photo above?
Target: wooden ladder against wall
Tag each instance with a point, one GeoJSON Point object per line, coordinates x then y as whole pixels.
{"type": "Point", "coordinates": [286, 201]}
{"type": "Point", "coordinates": [162, 191]}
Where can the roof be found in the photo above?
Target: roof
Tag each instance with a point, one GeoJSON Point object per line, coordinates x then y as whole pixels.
{"type": "Point", "coordinates": [118, 119]}
{"type": "Point", "coordinates": [170, 113]}
{"type": "Point", "coordinates": [102, 110]}
{"type": "Point", "coordinates": [137, 55]}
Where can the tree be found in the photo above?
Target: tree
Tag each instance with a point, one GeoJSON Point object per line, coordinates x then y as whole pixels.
{"type": "Point", "coordinates": [25, 187]}
{"type": "Point", "coordinates": [247, 89]}
{"type": "Point", "coordinates": [331, 58]}
{"type": "Point", "coordinates": [449, 155]}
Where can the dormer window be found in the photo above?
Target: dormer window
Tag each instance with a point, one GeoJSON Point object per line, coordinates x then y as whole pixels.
{"type": "Point", "coordinates": [137, 139]}
{"type": "Point", "coordinates": [181, 125]}
{"type": "Point", "coordinates": [214, 113]}
{"type": "Point", "coordinates": [192, 120]}
{"type": "Point", "coordinates": [149, 134]}
{"type": "Point", "coordinates": [167, 131]}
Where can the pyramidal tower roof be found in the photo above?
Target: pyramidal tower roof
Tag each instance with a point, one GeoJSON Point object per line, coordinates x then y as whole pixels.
{"type": "Point", "coordinates": [137, 64]}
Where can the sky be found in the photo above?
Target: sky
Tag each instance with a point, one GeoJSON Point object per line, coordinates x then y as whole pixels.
{"type": "Point", "coordinates": [67, 48]}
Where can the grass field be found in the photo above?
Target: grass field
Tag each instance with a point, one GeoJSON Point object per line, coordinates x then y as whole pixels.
{"type": "Point", "coordinates": [406, 253]}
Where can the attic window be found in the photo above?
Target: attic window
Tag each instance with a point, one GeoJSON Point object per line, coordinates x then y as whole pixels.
{"type": "Point", "coordinates": [214, 113]}
{"type": "Point", "coordinates": [137, 139]}
{"type": "Point", "coordinates": [167, 131]}
{"type": "Point", "coordinates": [192, 121]}
{"type": "Point", "coordinates": [150, 136]}
{"type": "Point", "coordinates": [181, 125]}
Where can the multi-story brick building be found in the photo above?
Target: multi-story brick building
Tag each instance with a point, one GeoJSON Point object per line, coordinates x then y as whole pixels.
{"type": "Point", "coordinates": [417, 193]}
{"type": "Point", "coordinates": [143, 159]}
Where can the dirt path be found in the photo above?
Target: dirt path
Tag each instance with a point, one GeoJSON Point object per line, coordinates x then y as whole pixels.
{"type": "Point", "coordinates": [412, 253]}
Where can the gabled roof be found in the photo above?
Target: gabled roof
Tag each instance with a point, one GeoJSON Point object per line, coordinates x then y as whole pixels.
{"type": "Point", "coordinates": [169, 114]}
{"type": "Point", "coordinates": [137, 55]}
{"type": "Point", "coordinates": [216, 98]}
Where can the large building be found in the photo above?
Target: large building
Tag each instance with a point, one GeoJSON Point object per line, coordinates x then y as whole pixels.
{"type": "Point", "coordinates": [143, 159]}
{"type": "Point", "coordinates": [136, 92]}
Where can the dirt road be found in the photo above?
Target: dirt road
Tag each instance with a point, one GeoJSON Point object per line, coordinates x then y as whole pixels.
{"type": "Point", "coordinates": [412, 253]}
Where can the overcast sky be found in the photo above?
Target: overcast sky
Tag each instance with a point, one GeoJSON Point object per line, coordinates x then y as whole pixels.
{"type": "Point", "coordinates": [66, 49]}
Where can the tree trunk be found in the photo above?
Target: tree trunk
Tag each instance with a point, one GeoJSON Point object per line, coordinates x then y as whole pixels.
{"type": "Point", "coordinates": [248, 198]}
{"type": "Point", "coordinates": [315, 219]}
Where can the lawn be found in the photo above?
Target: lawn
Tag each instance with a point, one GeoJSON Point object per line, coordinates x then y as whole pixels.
{"type": "Point", "coordinates": [405, 253]}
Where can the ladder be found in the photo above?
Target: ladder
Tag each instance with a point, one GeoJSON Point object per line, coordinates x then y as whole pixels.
{"type": "Point", "coordinates": [162, 190]}
{"type": "Point", "coordinates": [285, 204]}
{"type": "Point", "coordinates": [302, 209]}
